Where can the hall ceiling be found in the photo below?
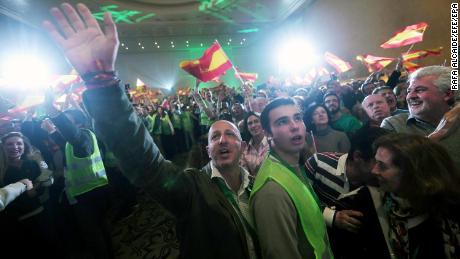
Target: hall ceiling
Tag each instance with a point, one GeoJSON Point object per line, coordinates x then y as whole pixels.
{"type": "Point", "coordinates": [141, 23]}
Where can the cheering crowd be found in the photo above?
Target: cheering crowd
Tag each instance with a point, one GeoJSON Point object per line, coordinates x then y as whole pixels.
{"type": "Point", "coordinates": [367, 169]}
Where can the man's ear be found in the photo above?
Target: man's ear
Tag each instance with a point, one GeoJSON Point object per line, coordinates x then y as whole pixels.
{"type": "Point", "coordinates": [268, 134]}
{"type": "Point", "coordinates": [449, 95]}
{"type": "Point", "coordinates": [207, 151]}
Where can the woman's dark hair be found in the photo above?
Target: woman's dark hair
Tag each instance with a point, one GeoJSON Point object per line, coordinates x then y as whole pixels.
{"type": "Point", "coordinates": [429, 178]}
{"type": "Point", "coordinates": [245, 121]}
{"type": "Point", "coordinates": [308, 116]}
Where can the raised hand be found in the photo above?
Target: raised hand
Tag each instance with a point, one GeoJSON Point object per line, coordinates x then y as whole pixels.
{"type": "Point", "coordinates": [449, 123]}
{"type": "Point", "coordinates": [348, 220]}
{"type": "Point", "coordinates": [85, 45]}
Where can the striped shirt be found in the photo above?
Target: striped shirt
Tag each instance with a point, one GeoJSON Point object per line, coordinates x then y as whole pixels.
{"type": "Point", "coordinates": [326, 172]}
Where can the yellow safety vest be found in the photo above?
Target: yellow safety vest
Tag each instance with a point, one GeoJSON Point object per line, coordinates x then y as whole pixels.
{"type": "Point", "coordinates": [84, 174]}
{"type": "Point", "coordinates": [305, 202]}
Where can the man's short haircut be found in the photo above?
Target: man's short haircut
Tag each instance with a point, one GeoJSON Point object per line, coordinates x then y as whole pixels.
{"type": "Point", "coordinates": [301, 91]}
{"type": "Point", "coordinates": [442, 82]}
{"type": "Point", "coordinates": [381, 88]}
{"type": "Point", "coordinates": [399, 88]}
{"type": "Point", "coordinates": [264, 119]}
{"type": "Point", "coordinates": [330, 93]}
{"type": "Point", "coordinates": [225, 117]}
{"type": "Point", "coordinates": [367, 98]}
{"type": "Point", "coordinates": [363, 139]}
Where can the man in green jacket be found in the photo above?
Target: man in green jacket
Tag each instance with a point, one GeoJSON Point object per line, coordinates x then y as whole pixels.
{"type": "Point", "coordinates": [211, 220]}
{"type": "Point", "coordinates": [286, 212]}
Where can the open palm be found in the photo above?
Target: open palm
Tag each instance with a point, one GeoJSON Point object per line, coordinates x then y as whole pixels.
{"type": "Point", "coordinates": [85, 45]}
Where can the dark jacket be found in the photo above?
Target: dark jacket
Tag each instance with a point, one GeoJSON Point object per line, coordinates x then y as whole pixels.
{"type": "Point", "coordinates": [425, 239]}
{"type": "Point", "coordinates": [207, 225]}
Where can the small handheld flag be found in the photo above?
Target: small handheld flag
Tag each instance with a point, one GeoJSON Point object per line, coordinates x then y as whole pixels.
{"type": "Point", "coordinates": [212, 64]}
{"type": "Point", "coordinates": [407, 36]}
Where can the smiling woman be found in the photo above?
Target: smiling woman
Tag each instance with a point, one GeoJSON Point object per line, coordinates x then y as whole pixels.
{"type": "Point", "coordinates": [418, 200]}
{"type": "Point", "coordinates": [257, 146]}
{"type": "Point", "coordinates": [25, 219]}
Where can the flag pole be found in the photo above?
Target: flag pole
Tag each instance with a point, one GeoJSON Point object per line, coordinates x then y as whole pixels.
{"type": "Point", "coordinates": [314, 142]}
{"type": "Point", "coordinates": [410, 48]}
{"type": "Point", "coordinates": [238, 74]}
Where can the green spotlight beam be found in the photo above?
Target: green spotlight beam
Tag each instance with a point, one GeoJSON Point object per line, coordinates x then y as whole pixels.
{"type": "Point", "coordinates": [122, 15]}
{"type": "Point", "coordinates": [251, 30]}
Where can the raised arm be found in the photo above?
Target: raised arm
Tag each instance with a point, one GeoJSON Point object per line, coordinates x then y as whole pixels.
{"type": "Point", "coordinates": [93, 52]}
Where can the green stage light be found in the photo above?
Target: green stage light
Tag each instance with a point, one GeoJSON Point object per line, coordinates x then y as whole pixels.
{"type": "Point", "coordinates": [127, 16]}
{"type": "Point", "coordinates": [251, 30]}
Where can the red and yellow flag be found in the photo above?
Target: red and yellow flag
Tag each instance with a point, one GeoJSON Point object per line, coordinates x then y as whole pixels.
{"type": "Point", "coordinates": [374, 63]}
{"type": "Point", "coordinates": [251, 77]}
{"type": "Point", "coordinates": [313, 73]}
{"type": "Point", "coordinates": [409, 35]}
{"type": "Point", "coordinates": [28, 102]}
{"type": "Point", "coordinates": [212, 64]}
{"type": "Point", "coordinates": [410, 67]}
{"type": "Point", "coordinates": [339, 64]}
{"type": "Point", "coordinates": [418, 54]}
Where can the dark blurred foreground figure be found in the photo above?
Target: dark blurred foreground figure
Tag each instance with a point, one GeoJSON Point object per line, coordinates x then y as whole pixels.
{"type": "Point", "coordinates": [210, 204]}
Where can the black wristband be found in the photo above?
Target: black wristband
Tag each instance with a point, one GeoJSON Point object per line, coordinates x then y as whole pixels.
{"type": "Point", "coordinates": [91, 77]}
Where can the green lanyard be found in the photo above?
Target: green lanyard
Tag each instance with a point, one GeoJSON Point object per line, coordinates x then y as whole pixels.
{"type": "Point", "coordinates": [303, 173]}
{"type": "Point", "coordinates": [229, 195]}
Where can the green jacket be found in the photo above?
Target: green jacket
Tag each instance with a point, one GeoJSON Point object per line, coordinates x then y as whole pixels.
{"type": "Point", "coordinates": [206, 221]}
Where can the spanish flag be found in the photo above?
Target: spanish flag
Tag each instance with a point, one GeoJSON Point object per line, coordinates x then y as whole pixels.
{"type": "Point", "coordinates": [418, 54]}
{"type": "Point", "coordinates": [28, 102]}
{"type": "Point", "coordinates": [409, 35]}
{"type": "Point", "coordinates": [410, 67]}
{"type": "Point", "coordinates": [140, 86]}
{"type": "Point", "coordinates": [212, 64]}
{"type": "Point", "coordinates": [314, 73]}
{"type": "Point", "coordinates": [251, 77]}
{"type": "Point", "coordinates": [374, 63]}
{"type": "Point", "coordinates": [339, 65]}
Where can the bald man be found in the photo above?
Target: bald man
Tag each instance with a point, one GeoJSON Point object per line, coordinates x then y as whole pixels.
{"type": "Point", "coordinates": [377, 108]}
{"type": "Point", "coordinates": [207, 203]}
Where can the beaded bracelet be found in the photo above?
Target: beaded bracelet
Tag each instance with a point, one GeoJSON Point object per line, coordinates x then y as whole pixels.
{"type": "Point", "coordinates": [99, 79]}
